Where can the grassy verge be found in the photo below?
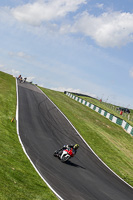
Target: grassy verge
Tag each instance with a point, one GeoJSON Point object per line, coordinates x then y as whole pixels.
{"type": "Point", "coordinates": [110, 142]}
{"type": "Point", "coordinates": [110, 108]}
{"type": "Point", "coordinates": [18, 179]}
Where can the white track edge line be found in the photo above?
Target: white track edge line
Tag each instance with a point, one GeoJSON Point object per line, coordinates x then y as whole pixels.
{"type": "Point", "coordinates": [87, 144]}
{"type": "Point", "coordinates": [17, 125]}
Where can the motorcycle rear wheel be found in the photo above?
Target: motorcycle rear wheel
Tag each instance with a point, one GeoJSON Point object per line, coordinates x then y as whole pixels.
{"type": "Point", "coordinates": [55, 154]}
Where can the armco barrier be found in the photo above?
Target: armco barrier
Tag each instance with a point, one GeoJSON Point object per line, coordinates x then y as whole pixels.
{"type": "Point", "coordinates": [114, 119]}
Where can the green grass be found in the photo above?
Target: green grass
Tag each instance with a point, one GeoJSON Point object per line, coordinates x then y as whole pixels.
{"type": "Point", "coordinates": [18, 178]}
{"type": "Point", "coordinates": [109, 141]}
{"type": "Point", "coordinates": [110, 108]}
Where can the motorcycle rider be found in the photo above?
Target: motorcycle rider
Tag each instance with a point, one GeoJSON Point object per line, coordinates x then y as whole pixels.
{"type": "Point", "coordinates": [69, 147]}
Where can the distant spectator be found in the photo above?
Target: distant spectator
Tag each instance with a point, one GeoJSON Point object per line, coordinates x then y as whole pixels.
{"type": "Point", "coordinates": [25, 80]}
{"type": "Point", "coordinates": [121, 112]}
{"type": "Point", "coordinates": [19, 77]}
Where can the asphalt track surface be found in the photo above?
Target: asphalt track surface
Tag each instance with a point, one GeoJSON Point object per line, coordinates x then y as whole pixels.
{"type": "Point", "coordinates": [43, 129]}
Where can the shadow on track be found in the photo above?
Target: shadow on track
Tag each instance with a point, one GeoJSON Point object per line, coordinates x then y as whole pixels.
{"type": "Point", "coordinates": [73, 164]}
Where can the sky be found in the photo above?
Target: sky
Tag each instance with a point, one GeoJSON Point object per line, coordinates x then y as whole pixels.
{"type": "Point", "coordinates": [80, 46]}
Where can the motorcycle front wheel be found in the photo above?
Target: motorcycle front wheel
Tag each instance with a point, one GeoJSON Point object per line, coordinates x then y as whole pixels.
{"type": "Point", "coordinates": [65, 158]}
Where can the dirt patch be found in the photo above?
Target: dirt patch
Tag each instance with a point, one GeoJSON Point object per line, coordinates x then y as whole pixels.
{"type": "Point", "coordinates": [108, 126]}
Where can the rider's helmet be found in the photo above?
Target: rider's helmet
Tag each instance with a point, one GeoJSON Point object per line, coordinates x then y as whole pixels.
{"type": "Point", "coordinates": [76, 146]}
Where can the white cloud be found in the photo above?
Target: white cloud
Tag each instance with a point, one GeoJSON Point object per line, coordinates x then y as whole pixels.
{"type": "Point", "coordinates": [131, 72]}
{"type": "Point", "coordinates": [1, 66]}
{"type": "Point", "coordinates": [108, 30]}
{"type": "Point", "coordinates": [62, 89]}
{"type": "Point", "coordinates": [30, 78]}
{"type": "Point", "coordinates": [13, 72]}
{"type": "Point", "coordinates": [20, 55]}
{"type": "Point", "coordinates": [98, 5]}
{"type": "Point", "coordinates": [44, 10]}
{"type": "Point", "coordinates": [4, 14]}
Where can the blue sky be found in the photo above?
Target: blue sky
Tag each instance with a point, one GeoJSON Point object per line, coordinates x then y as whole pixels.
{"type": "Point", "coordinates": [76, 45]}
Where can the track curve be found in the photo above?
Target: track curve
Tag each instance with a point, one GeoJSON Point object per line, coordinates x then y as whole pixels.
{"type": "Point", "coordinates": [43, 129]}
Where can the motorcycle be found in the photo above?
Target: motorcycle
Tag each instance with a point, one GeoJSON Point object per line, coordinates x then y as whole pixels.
{"type": "Point", "coordinates": [64, 155]}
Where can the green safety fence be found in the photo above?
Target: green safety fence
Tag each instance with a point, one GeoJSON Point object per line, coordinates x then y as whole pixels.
{"type": "Point", "coordinates": [127, 127]}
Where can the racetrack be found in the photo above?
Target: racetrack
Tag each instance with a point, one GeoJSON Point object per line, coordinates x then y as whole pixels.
{"type": "Point", "coordinates": [43, 129]}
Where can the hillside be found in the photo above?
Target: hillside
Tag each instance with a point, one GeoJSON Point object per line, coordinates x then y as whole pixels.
{"type": "Point", "coordinates": [19, 180]}
{"type": "Point", "coordinates": [109, 141]}
{"type": "Point", "coordinates": [111, 109]}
